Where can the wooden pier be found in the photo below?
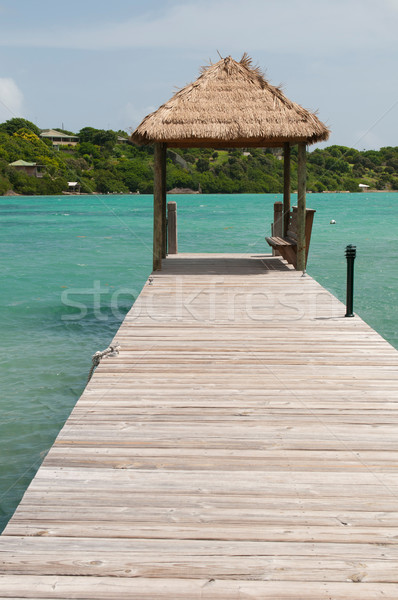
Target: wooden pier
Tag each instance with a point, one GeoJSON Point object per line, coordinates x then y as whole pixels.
{"type": "Point", "coordinates": [244, 444]}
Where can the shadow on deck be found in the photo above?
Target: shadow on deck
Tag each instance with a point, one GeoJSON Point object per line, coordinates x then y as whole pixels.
{"type": "Point", "coordinates": [223, 264]}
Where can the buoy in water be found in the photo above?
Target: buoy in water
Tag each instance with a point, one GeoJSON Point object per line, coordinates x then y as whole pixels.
{"type": "Point", "coordinates": [333, 222]}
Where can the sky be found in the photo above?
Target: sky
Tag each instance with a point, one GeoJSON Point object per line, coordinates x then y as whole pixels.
{"type": "Point", "coordinates": [107, 64]}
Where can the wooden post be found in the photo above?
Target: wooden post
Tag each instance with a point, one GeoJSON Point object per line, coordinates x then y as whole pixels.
{"type": "Point", "coordinates": [286, 187]}
{"type": "Point", "coordinates": [277, 225]}
{"type": "Point", "coordinates": [309, 219]}
{"type": "Point", "coordinates": [164, 202]}
{"type": "Point", "coordinates": [172, 227]}
{"type": "Point", "coordinates": [301, 184]}
{"type": "Point", "coordinates": [157, 210]}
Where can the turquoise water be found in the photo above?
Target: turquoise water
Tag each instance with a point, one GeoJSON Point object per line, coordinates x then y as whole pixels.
{"type": "Point", "coordinates": [90, 255]}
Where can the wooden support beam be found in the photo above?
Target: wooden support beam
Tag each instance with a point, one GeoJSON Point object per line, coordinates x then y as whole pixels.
{"type": "Point", "coordinates": [164, 201]}
{"type": "Point", "coordinates": [286, 187]}
{"type": "Point", "coordinates": [277, 225]}
{"type": "Point", "coordinates": [157, 209]}
{"type": "Point", "coordinates": [172, 227]}
{"type": "Point", "coordinates": [301, 186]}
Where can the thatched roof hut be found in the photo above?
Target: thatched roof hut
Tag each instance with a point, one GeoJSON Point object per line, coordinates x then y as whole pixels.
{"type": "Point", "coordinates": [231, 104]}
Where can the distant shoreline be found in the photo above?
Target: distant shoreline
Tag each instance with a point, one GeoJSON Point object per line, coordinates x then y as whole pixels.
{"type": "Point", "coordinates": [192, 193]}
{"type": "Point", "coordinates": [101, 160]}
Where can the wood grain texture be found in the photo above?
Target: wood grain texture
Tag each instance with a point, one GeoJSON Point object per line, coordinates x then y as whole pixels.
{"type": "Point", "coordinates": [242, 445]}
{"type": "Point", "coordinates": [159, 204]}
{"type": "Point", "coordinates": [172, 233]}
{"type": "Point", "coordinates": [286, 187]}
{"type": "Point", "coordinates": [301, 205]}
{"type": "Point", "coordinates": [164, 198]}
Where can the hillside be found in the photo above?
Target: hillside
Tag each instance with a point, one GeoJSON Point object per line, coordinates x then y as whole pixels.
{"type": "Point", "coordinates": [103, 162]}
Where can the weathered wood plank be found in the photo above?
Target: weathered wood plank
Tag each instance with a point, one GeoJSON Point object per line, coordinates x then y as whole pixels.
{"type": "Point", "coordinates": [233, 531]}
{"type": "Point", "coordinates": [109, 588]}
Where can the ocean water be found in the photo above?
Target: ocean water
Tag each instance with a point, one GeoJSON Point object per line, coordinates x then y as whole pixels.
{"type": "Point", "coordinates": [72, 266]}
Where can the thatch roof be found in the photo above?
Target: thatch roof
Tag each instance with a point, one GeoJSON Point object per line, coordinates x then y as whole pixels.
{"type": "Point", "coordinates": [230, 104]}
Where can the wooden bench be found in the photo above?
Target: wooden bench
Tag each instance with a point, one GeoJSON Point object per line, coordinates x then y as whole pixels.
{"type": "Point", "coordinates": [287, 246]}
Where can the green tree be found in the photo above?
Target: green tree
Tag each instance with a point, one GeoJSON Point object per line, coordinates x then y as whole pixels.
{"type": "Point", "coordinates": [13, 125]}
{"type": "Point", "coordinates": [5, 184]}
{"type": "Point", "coordinates": [350, 184]}
{"type": "Point", "coordinates": [104, 137]}
{"type": "Point", "coordinates": [202, 165]}
{"type": "Point", "coordinates": [107, 183]}
{"type": "Point", "coordinates": [88, 148]}
{"type": "Point", "coordinates": [86, 134]}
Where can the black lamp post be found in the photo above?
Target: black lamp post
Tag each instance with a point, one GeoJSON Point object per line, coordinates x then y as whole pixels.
{"type": "Point", "coordinates": [350, 253]}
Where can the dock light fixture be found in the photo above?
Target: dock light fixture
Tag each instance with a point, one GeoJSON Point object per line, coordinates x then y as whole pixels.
{"type": "Point", "coordinates": [350, 253]}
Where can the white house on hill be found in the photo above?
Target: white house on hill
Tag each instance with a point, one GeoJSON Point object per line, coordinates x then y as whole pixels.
{"type": "Point", "coordinates": [58, 138]}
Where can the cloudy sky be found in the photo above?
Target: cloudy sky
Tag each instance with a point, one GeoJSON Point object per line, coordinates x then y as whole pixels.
{"type": "Point", "coordinates": [107, 63]}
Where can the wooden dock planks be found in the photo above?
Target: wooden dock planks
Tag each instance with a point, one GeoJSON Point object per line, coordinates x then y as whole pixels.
{"type": "Point", "coordinates": [242, 445]}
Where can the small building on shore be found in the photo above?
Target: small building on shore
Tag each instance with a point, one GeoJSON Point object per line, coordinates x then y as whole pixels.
{"type": "Point", "coordinates": [30, 168]}
{"type": "Point", "coordinates": [73, 187]}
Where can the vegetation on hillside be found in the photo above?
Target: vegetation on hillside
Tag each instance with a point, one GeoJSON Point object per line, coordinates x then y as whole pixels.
{"type": "Point", "coordinates": [103, 163]}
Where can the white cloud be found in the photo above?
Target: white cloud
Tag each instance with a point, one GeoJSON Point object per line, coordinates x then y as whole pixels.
{"type": "Point", "coordinates": [11, 99]}
{"type": "Point", "coordinates": [309, 26]}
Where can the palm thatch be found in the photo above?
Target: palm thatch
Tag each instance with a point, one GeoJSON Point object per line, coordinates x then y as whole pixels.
{"type": "Point", "coordinates": [230, 105]}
